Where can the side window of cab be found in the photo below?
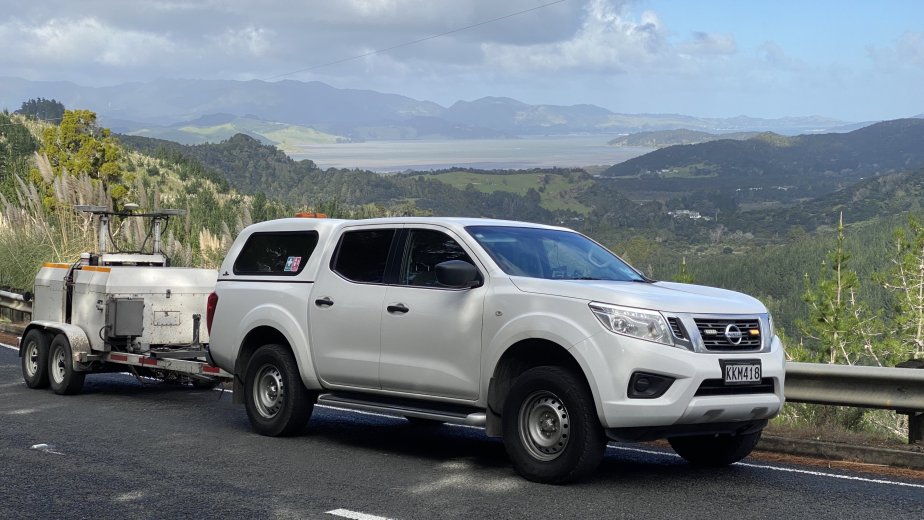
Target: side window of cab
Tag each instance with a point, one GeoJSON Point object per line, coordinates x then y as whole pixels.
{"type": "Point", "coordinates": [424, 249]}
{"type": "Point", "coordinates": [362, 255]}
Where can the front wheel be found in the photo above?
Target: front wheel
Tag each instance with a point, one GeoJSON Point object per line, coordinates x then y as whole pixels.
{"type": "Point", "coordinates": [278, 404]}
{"type": "Point", "coordinates": [63, 378]}
{"type": "Point", "coordinates": [550, 426]}
{"type": "Point", "coordinates": [35, 359]}
{"type": "Point", "coordinates": [715, 450]}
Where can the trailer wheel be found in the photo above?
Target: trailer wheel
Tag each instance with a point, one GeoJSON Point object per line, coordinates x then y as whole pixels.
{"type": "Point", "coordinates": [278, 404]}
{"type": "Point", "coordinates": [35, 359]}
{"type": "Point", "coordinates": [62, 376]}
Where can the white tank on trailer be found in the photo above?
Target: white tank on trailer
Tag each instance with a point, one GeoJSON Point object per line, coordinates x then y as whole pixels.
{"type": "Point", "coordinates": [170, 296]}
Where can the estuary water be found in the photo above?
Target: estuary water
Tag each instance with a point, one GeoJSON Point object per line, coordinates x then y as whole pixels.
{"type": "Point", "coordinates": [436, 154]}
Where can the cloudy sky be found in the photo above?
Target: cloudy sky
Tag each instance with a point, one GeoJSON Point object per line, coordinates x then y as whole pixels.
{"type": "Point", "coordinates": [851, 59]}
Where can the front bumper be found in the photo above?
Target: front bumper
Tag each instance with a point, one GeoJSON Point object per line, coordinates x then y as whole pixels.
{"type": "Point", "coordinates": [609, 361]}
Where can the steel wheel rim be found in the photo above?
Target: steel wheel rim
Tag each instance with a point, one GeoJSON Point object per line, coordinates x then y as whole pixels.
{"type": "Point", "coordinates": [58, 365]}
{"type": "Point", "coordinates": [268, 391]}
{"type": "Point", "coordinates": [30, 356]}
{"type": "Point", "coordinates": [545, 425]}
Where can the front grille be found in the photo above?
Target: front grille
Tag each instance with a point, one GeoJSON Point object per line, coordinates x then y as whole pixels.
{"type": "Point", "coordinates": [676, 328]}
{"type": "Point", "coordinates": [718, 387]}
{"type": "Point", "coordinates": [720, 334]}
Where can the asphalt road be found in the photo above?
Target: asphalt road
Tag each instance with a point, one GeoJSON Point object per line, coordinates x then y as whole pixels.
{"type": "Point", "coordinates": [120, 450]}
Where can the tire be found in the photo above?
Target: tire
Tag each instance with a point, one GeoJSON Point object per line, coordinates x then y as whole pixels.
{"type": "Point", "coordinates": [63, 378]}
{"type": "Point", "coordinates": [715, 451]}
{"type": "Point", "coordinates": [277, 402]}
{"type": "Point", "coordinates": [550, 426]}
{"type": "Point", "coordinates": [34, 358]}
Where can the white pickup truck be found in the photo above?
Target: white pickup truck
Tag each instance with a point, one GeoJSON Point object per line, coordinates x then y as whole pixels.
{"type": "Point", "coordinates": [537, 333]}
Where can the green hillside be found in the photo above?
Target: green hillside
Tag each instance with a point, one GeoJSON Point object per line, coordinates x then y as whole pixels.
{"type": "Point", "coordinates": [220, 127]}
{"type": "Point", "coordinates": [774, 168]}
{"type": "Point", "coordinates": [664, 138]}
{"type": "Point", "coordinates": [556, 191]}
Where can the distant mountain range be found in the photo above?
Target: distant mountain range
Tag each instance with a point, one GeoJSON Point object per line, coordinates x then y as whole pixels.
{"type": "Point", "coordinates": [770, 166]}
{"type": "Point", "coordinates": [150, 108]}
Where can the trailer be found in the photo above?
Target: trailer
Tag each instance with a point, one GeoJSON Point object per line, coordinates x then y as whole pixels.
{"type": "Point", "coordinates": [112, 311]}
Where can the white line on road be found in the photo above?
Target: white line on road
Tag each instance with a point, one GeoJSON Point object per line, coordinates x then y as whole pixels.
{"type": "Point", "coordinates": [11, 347]}
{"type": "Point", "coordinates": [787, 470]}
{"type": "Point", "coordinates": [346, 513]}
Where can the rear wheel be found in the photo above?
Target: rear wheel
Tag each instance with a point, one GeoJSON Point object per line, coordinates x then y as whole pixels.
{"type": "Point", "coordinates": [550, 426]}
{"type": "Point", "coordinates": [62, 376]}
{"type": "Point", "coordinates": [277, 402]}
{"type": "Point", "coordinates": [715, 450]}
{"type": "Point", "coordinates": [35, 359]}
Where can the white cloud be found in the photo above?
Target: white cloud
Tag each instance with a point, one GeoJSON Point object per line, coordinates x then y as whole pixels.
{"type": "Point", "coordinates": [81, 41]}
{"type": "Point", "coordinates": [709, 43]}
{"type": "Point", "coordinates": [611, 40]}
{"type": "Point", "coordinates": [250, 40]}
{"type": "Point", "coordinates": [772, 54]}
{"type": "Point", "coordinates": [907, 52]}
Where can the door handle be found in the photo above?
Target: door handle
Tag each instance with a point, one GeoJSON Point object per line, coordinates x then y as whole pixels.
{"type": "Point", "coordinates": [397, 309]}
{"type": "Point", "coordinates": [324, 302]}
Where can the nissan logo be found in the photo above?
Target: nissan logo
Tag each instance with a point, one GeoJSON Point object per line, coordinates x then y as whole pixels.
{"type": "Point", "coordinates": [733, 334]}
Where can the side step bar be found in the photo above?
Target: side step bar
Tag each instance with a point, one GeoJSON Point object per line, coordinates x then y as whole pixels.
{"type": "Point", "coordinates": [403, 409]}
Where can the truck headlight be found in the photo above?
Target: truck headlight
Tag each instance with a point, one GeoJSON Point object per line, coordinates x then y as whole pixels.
{"type": "Point", "coordinates": [636, 323]}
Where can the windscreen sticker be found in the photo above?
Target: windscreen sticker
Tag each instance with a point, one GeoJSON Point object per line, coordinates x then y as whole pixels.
{"type": "Point", "coordinates": [292, 264]}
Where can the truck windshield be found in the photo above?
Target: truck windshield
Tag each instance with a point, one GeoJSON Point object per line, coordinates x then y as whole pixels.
{"type": "Point", "coordinates": [551, 254]}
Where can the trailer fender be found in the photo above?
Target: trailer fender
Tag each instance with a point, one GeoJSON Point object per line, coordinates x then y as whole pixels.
{"type": "Point", "coordinates": [80, 343]}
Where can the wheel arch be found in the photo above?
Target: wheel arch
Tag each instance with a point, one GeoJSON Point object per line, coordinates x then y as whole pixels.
{"type": "Point", "coordinates": [518, 358]}
{"type": "Point", "coordinates": [80, 343]}
{"type": "Point", "coordinates": [263, 335]}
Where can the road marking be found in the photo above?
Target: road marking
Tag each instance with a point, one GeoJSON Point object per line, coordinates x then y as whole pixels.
{"type": "Point", "coordinates": [46, 448]}
{"type": "Point", "coordinates": [786, 470]}
{"type": "Point", "coordinates": [11, 347]}
{"type": "Point", "coordinates": [354, 515]}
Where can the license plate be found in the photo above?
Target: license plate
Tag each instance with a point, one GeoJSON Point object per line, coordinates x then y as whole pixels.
{"type": "Point", "coordinates": [741, 372]}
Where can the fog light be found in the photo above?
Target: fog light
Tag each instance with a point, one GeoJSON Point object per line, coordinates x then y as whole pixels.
{"type": "Point", "coordinates": [643, 385]}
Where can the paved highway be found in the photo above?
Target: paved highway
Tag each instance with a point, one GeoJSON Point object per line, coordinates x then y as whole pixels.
{"type": "Point", "coordinates": [120, 450]}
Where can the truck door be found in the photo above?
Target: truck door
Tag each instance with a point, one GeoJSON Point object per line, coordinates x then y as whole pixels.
{"type": "Point", "coordinates": [345, 311]}
{"type": "Point", "coordinates": [431, 335]}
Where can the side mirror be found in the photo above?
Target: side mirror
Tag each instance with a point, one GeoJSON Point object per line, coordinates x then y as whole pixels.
{"type": "Point", "coordinates": [458, 274]}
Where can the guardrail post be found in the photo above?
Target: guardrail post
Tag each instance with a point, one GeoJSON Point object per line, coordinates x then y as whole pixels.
{"type": "Point", "coordinates": [915, 427]}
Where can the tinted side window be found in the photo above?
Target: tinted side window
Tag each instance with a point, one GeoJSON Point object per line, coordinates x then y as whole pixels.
{"type": "Point", "coordinates": [425, 249]}
{"type": "Point", "coordinates": [362, 256]}
{"type": "Point", "coordinates": [279, 253]}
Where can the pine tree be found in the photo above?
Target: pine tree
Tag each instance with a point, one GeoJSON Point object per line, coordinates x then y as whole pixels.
{"type": "Point", "coordinates": [683, 275]}
{"type": "Point", "coordinates": [906, 279]}
{"type": "Point", "coordinates": [840, 329]}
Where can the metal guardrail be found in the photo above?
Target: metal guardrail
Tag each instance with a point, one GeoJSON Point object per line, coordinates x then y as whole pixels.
{"type": "Point", "coordinates": [899, 389]}
{"type": "Point", "coordinates": [884, 388]}
{"type": "Point", "coordinates": [868, 387]}
{"type": "Point", "coordinates": [14, 305]}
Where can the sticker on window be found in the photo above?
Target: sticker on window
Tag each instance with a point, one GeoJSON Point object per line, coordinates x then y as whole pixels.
{"type": "Point", "coordinates": [292, 264]}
